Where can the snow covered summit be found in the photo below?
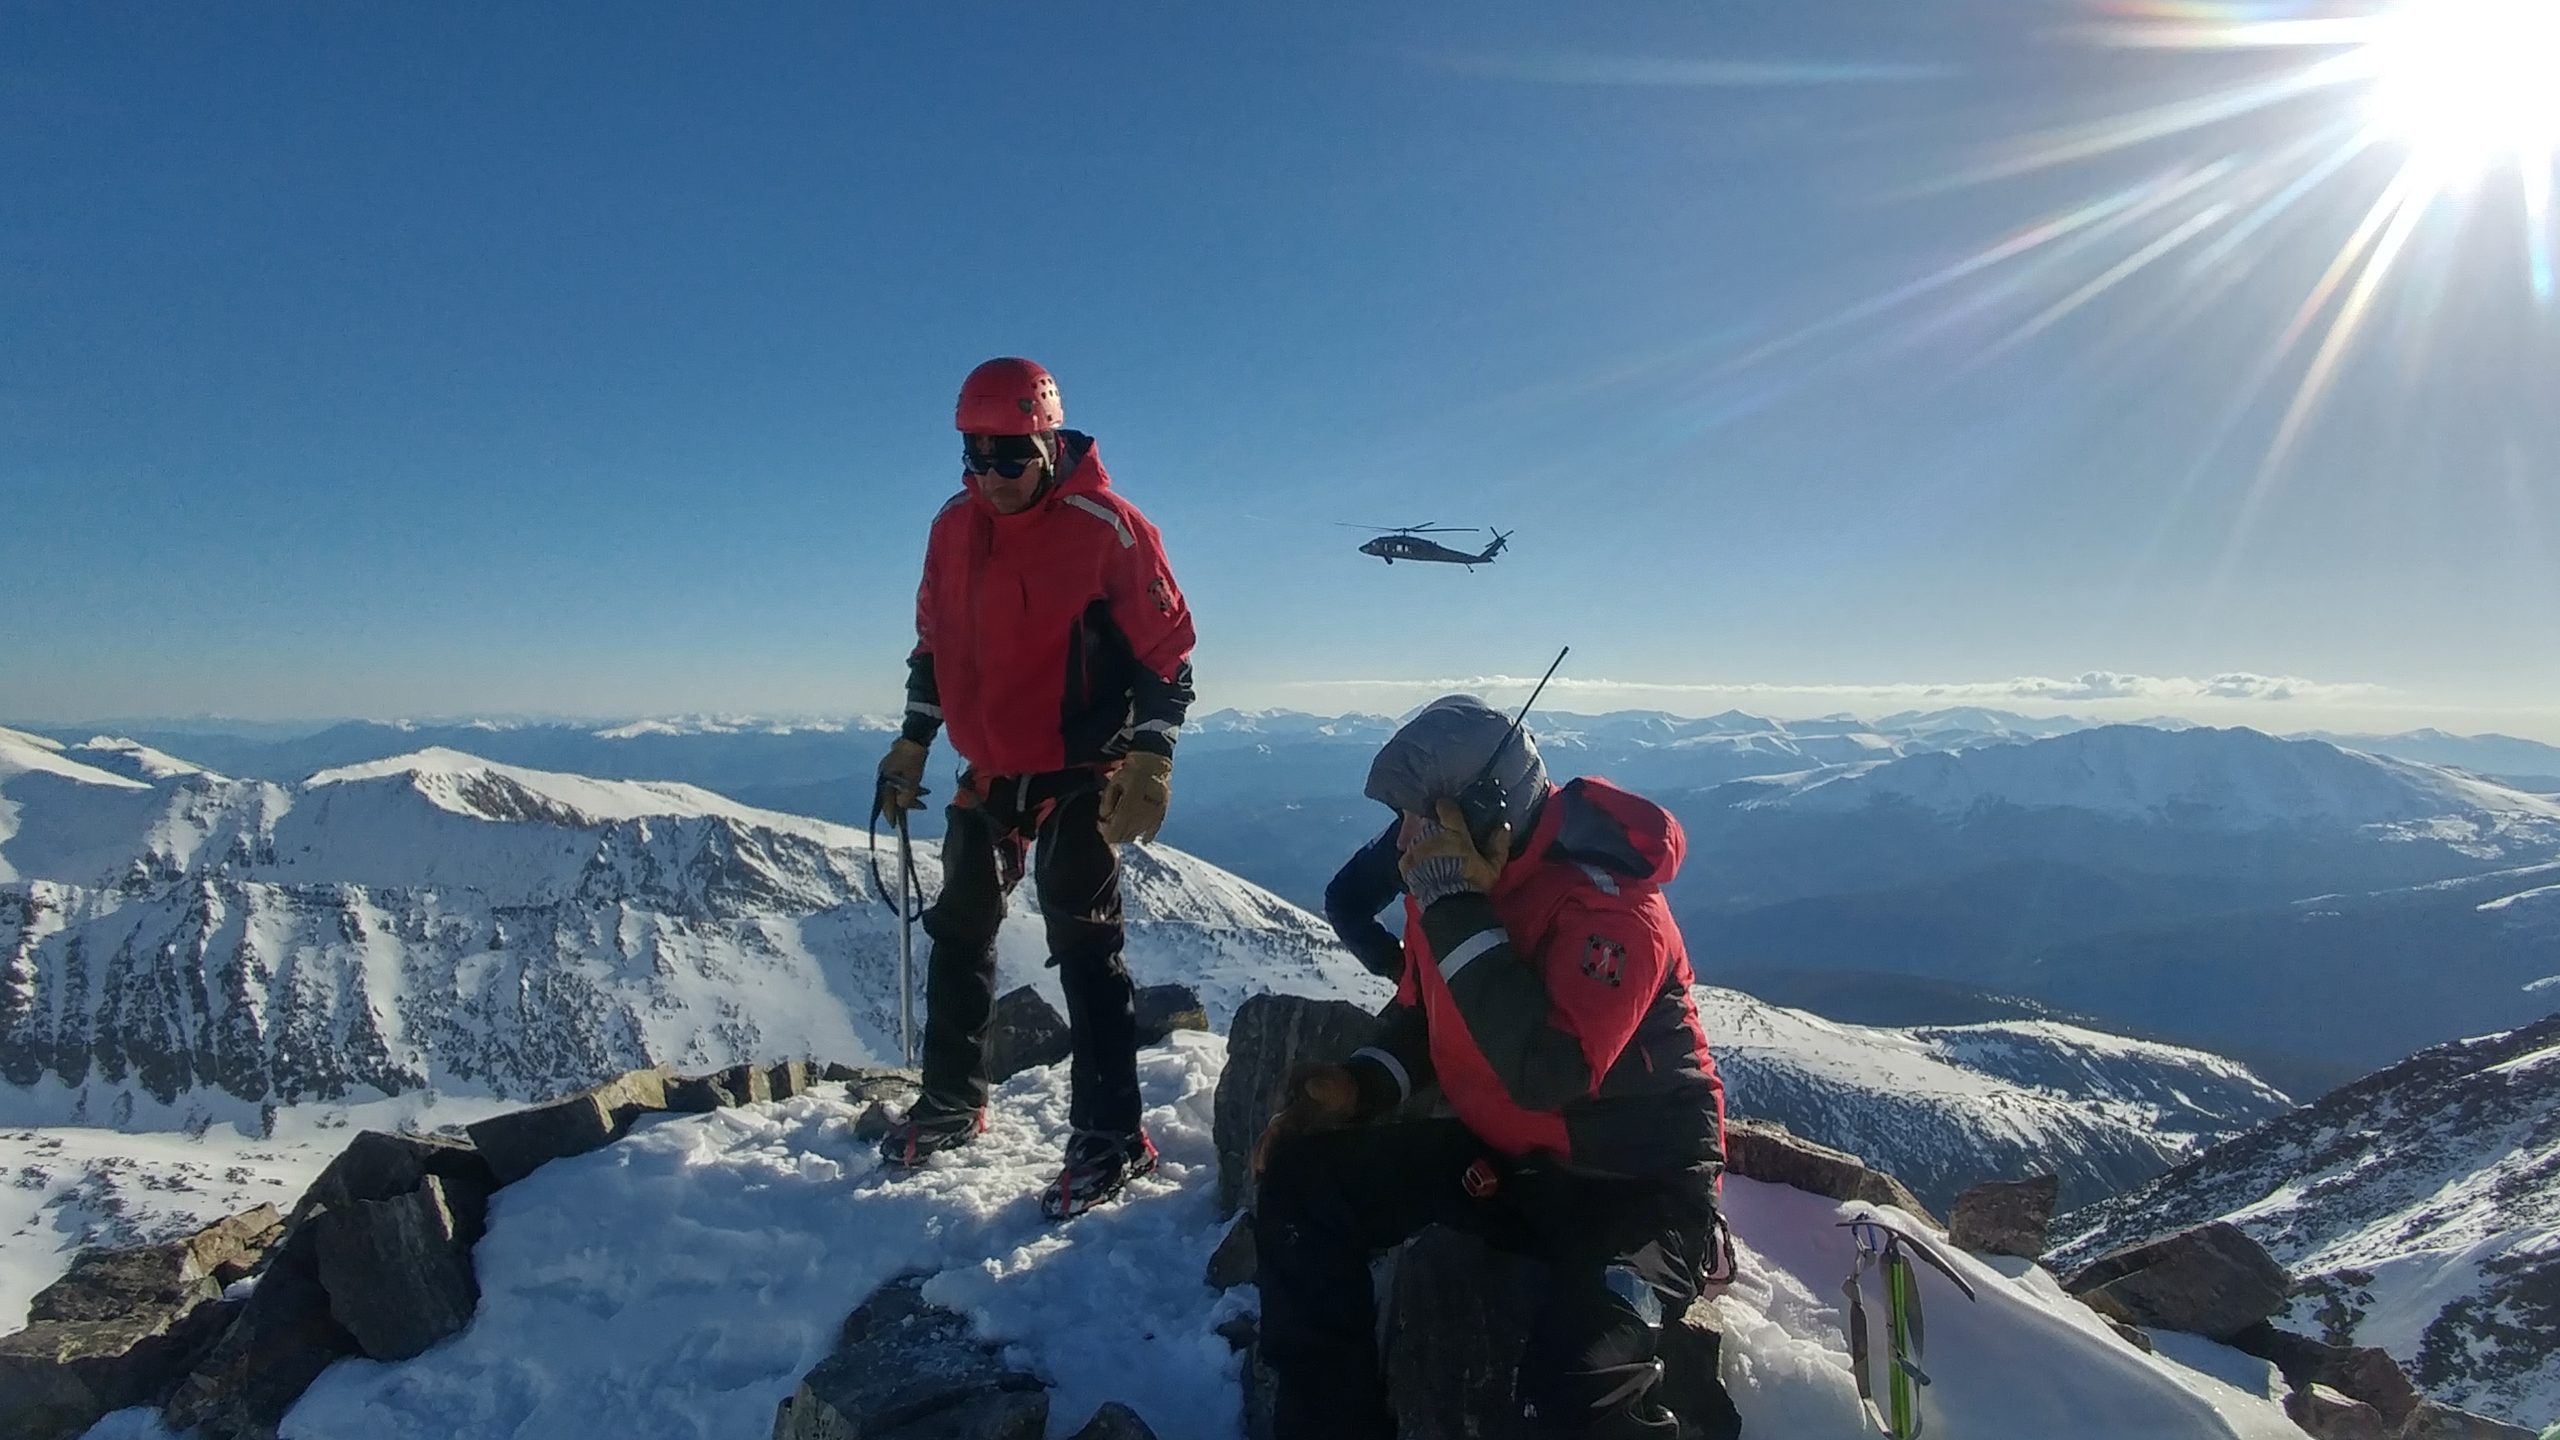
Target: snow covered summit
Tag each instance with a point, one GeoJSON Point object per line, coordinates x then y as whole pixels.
{"type": "Point", "coordinates": [198, 946]}
{"type": "Point", "coordinates": [2421, 1207]}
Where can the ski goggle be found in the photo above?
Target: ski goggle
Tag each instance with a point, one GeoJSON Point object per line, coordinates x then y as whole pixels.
{"type": "Point", "coordinates": [1005, 455]}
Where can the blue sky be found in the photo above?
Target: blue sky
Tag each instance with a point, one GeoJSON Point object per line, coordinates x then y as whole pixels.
{"type": "Point", "coordinates": [597, 360]}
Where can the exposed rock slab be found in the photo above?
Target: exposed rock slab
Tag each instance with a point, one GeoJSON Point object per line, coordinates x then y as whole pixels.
{"type": "Point", "coordinates": [746, 1085]}
{"type": "Point", "coordinates": [696, 1094]}
{"type": "Point", "coordinates": [1692, 1355]}
{"type": "Point", "coordinates": [866, 1083]}
{"type": "Point", "coordinates": [1272, 1034]}
{"type": "Point", "coordinates": [788, 1078]}
{"type": "Point", "coordinates": [1234, 1262]}
{"type": "Point", "coordinates": [2359, 1372]}
{"type": "Point", "coordinates": [2212, 1281]}
{"type": "Point", "coordinates": [2005, 1217]}
{"type": "Point", "coordinates": [1027, 1032]}
{"type": "Point", "coordinates": [1114, 1421]}
{"type": "Point", "coordinates": [1163, 1009]}
{"type": "Point", "coordinates": [2432, 1421]}
{"type": "Point", "coordinates": [378, 1165]}
{"type": "Point", "coordinates": [1455, 1325]}
{"type": "Point", "coordinates": [2328, 1415]}
{"type": "Point", "coordinates": [398, 1271]}
{"type": "Point", "coordinates": [523, 1141]}
{"type": "Point", "coordinates": [1759, 1150]}
{"type": "Point", "coordinates": [907, 1370]}
{"type": "Point", "coordinates": [280, 1341]}
{"type": "Point", "coordinates": [59, 1377]}
{"type": "Point", "coordinates": [123, 1327]}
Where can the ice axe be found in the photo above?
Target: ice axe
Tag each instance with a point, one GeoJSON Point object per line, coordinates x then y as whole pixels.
{"type": "Point", "coordinates": [909, 889]}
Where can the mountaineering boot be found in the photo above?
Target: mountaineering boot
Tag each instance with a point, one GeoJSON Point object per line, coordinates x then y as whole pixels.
{"type": "Point", "coordinates": [1099, 1165]}
{"type": "Point", "coordinates": [929, 1129]}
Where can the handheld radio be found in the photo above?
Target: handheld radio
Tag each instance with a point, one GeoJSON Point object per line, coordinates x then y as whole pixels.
{"type": "Point", "coordinates": [1484, 800]}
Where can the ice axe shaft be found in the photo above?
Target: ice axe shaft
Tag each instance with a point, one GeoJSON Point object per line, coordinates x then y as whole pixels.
{"type": "Point", "coordinates": [909, 889]}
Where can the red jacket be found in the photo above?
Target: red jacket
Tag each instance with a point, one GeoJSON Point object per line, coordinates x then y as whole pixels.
{"type": "Point", "coordinates": [1051, 638]}
{"type": "Point", "coordinates": [1555, 1013]}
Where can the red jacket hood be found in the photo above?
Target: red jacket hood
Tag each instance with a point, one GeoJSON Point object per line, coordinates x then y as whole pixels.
{"type": "Point", "coordinates": [1592, 822]}
{"type": "Point", "coordinates": [1085, 476]}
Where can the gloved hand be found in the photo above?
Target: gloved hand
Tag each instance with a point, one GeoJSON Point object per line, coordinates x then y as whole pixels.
{"type": "Point", "coordinates": [901, 786]}
{"type": "Point", "coordinates": [1135, 797]}
{"type": "Point", "coordinates": [1321, 1097]}
{"type": "Point", "coordinates": [1444, 860]}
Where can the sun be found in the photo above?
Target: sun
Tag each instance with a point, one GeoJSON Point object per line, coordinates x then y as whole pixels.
{"type": "Point", "coordinates": [2466, 84]}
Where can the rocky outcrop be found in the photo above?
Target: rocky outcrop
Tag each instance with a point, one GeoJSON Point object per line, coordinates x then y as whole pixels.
{"type": "Point", "coordinates": [2004, 1217]}
{"type": "Point", "coordinates": [123, 1327]}
{"type": "Point", "coordinates": [2443, 1422]}
{"type": "Point", "coordinates": [2359, 1372]}
{"type": "Point", "coordinates": [1163, 1009]}
{"type": "Point", "coordinates": [787, 1079]}
{"type": "Point", "coordinates": [1456, 1316]}
{"type": "Point", "coordinates": [1027, 1032]}
{"type": "Point", "coordinates": [280, 1341]}
{"type": "Point", "coordinates": [1114, 1421]}
{"type": "Point", "coordinates": [377, 1165]}
{"type": "Point", "coordinates": [1235, 1262]}
{"type": "Point", "coordinates": [1759, 1150]}
{"type": "Point", "coordinates": [1692, 1355]}
{"type": "Point", "coordinates": [2327, 1415]}
{"type": "Point", "coordinates": [398, 1271]}
{"type": "Point", "coordinates": [2212, 1281]}
{"type": "Point", "coordinates": [1272, 1034]}
{"type": "Point", "coordinates": [523, 1141]}
{"type": "Point", "coordinates": [907, 1370]}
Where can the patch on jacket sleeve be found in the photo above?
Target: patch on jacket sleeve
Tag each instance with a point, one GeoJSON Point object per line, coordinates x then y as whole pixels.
{"type": "Point", "coordinates": [1161, 591]}
{"type": "Point", "coordinates": [1604, 959]}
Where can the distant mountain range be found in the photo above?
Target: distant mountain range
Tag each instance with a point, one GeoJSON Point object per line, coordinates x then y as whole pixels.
{"type": "Point", "coordinates": [2421, 1206]}
{"type": "Point", "coordinates": [178, 946]}
{"type": "Point", "coordinates": [1954, 853]}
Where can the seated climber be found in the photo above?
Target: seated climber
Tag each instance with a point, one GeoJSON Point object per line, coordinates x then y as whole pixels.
{"type": "Point", "coordinates": [1546, 991]}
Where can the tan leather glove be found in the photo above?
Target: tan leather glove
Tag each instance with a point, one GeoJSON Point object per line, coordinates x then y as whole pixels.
{"type": "Point", "coordinates": [1321, 1097]}
{"type": "Point", "coordinates": [1443, 861]}
{"type": "Point", "coordinates": [1135, 797]}
{"type": "Point", "coordinates": [901, 778]}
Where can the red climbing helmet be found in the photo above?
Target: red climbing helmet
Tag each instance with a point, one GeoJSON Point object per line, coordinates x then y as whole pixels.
{"type": "Point", "coordinates": [1010, 396]}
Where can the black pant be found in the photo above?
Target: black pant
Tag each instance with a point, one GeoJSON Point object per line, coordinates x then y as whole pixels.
{"type": "Point", "coordinates": [1076, 877]}
{"type": "Point", "coordinates": [1330, 1201]}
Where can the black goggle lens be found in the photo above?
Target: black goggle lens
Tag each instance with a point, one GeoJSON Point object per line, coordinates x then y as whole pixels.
{"type": "Point", "coordinates": [1005, 455]}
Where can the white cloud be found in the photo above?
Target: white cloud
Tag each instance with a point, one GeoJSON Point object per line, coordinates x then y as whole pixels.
{"type": "Point", "coordinates": [2095, 686]}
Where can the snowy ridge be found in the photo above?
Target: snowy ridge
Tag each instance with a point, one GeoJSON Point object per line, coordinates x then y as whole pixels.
{"type": "Point", "coordinates": [2226, 779]}
{"type": "Point", "coordinates": [2421, 1203]}
{"type": "Point", "coordinates": [206, 948]}
{"type": "Point", "coordinates": [1946, 1107]}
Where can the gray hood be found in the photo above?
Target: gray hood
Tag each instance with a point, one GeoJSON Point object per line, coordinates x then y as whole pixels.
{"type": "Point", "coordinates": [1439, 751]}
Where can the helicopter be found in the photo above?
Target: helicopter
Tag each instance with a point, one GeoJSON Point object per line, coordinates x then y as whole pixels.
{"type": "Point", "coordinates": [1406, 542]}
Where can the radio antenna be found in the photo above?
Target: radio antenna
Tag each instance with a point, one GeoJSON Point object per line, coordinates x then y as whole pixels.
{"type": "Point", "coordinates": [1518, 720]}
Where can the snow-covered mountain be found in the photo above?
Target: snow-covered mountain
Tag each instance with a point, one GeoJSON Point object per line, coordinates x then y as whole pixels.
{"type": "Point", "coordinates": [1944, 1107]}
{"type": "Point", "coordinates": [2212, 778]}
{"type": "Point", "coordinates": [184, 948]}
{"type": "Point", "coordinates": [2422, 1205]}
{"type": "Point", "coordinates": [196, 946]}
{"type": "Point", "coordinates": [2491, 754]}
